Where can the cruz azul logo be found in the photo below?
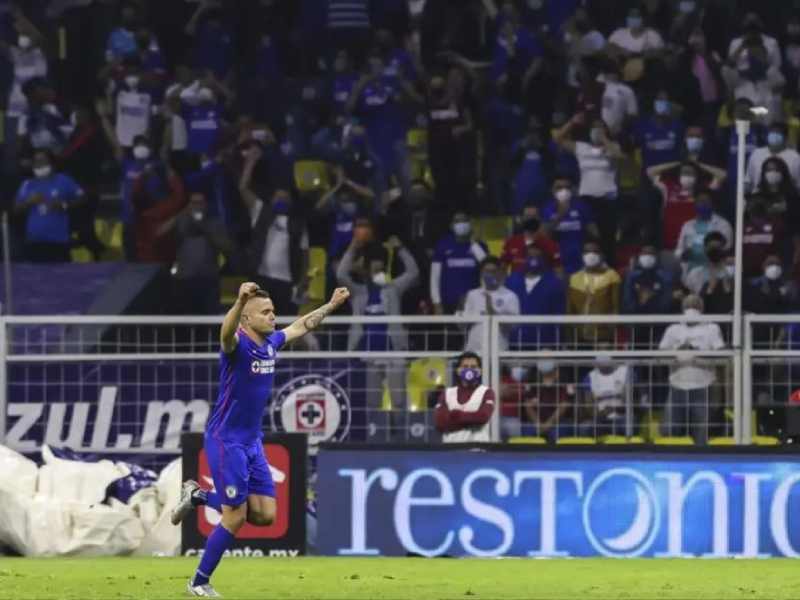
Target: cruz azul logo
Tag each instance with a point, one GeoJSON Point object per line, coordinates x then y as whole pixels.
{"type": "Point", "coordinates": [315, 405]}
{"type": "Point", "coordinates": [263, 366]}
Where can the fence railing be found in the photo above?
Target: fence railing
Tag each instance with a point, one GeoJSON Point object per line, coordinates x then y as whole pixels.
{"type": "Point", "coordinates": [132, 384]}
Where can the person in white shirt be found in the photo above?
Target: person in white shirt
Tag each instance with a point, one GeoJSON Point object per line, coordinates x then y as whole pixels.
{"type": "Point", "coordinates": [491, 298]}
{"type": "Point", "coordinates": [690, 250]}
{"type": "Point", "coordinates": [749, 75]}
{"type": "Point", "coordinates": [634, 43]}
{"type": "Point", "coordinates": [690, 380]}
{"type": "Point", "coordinates": [753, 28]}
{"type": "Point", "coordinates": [28, 61]}
{"type": "Point", "coordinates": [776, 146]}
{"type": "Point", "coordinates": [619, 100]}
{"type": "Point", "coordinates": [607, 387]}
{"type": "Point", "coordinates": [134, 106]}
{"type": "Point", "coordinates": [581, 40]}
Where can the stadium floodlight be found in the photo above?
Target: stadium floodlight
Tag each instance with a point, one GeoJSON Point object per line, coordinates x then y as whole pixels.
{"type": "Point", "coordinates": [742, 432]}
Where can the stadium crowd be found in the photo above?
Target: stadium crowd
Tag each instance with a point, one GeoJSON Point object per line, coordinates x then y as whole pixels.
{"type": "Point", "coordinates": [535, 157]}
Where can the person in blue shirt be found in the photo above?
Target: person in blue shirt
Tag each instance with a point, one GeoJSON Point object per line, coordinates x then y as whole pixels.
{"type": "Point", "coordinates": [530, 183]}
{"type": "Point", "coordinates": [570, 222]}
{"type": "Point", "coordinates": [45, 200]}
{"type": "Point", "coordinates": [518, 56]}
{"type": "Point", "coordinates": [540, 292]}
{"type": "Point", "coordinates": [204, 122]}
{"type": "Point", "coordinates": [244, 490]}
{"type": "Point", "coordinates": [213, 40]}
{"type": "Point", "coordinates": [122, 40]}
{"type": "Point", "coordinates": [455, 269]}
{"type": "Point", "coordinates": [648, 286]}
{"type": "Point", "coordinates": [659, 136]}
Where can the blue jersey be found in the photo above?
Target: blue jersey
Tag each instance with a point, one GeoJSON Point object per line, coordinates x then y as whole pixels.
{"type": "Point", "coordinates": [570, 232]}
{"type": "Point", "coordinates": [203, 124]}
{"type": "Point", "coordinates": [246, 377]}
{"type": "Point", "coordinates": [45, 222]}
{"type": "Point", "coordinates": [660, 142]}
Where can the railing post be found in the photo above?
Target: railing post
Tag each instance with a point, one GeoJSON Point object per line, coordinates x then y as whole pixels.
{"type": "Point", "coordinates": [746, 392]}
{"type": "Point", "coordinates": [491, 335]}
{"type": "Point", "coordinates": [3, 378]}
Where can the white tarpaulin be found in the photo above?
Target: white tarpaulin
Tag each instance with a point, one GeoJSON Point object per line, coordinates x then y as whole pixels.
{"type": "Point", "coordinates": [57, 509]}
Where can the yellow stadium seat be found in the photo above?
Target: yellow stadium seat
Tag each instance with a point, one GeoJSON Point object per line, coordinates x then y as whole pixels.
{"type": "Point", "coordinates": [674, 441]}
{"type": "Point", "coordinates": [417, 140]}
{"type": "Point", "coordinates": [386, 397]}
{"type": "Point", "coordinates": [311, 175]}
{"type": "Point", "coordinates": [575, 441]}
{"type": "Point", "coordinates": [495, 247]}
{"type": "Point", "coordinates": [721, 441]}
{"type": "Point", "coordinates": [80, 254]}
{"type": "Point", "coordinates": [317, 271]}
{"type": "Point", "coordinates": [493, 228]}
{"type": "Point", "coordinates": [526, 439]}
{"type": "Point", "coordinates": [423, 376]}
{"type": "Point", "coordinates": [765, 440]}
{"type": "Point", "coordinates": [229, 289]}
{"type": "Point", "coordinates": [621, 439]}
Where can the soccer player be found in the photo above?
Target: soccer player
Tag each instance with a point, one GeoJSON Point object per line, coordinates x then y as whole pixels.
{"type": "Point", "coordinates": [244, 490]}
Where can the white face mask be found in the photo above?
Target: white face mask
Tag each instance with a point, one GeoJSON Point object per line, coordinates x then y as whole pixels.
{"type": "Point", "coordinates": [773, 272]}
{"type": "Point", "coordinates": [564, 195]}
{"type": "Point", "coordinates": [730, 270]}
{"type": "Point", "coordinates": [647, 261]}
{"type": "Point", "coordinates": [687, 181]}
{"type": "Point", "coordinates": [205, 95]}
{"type": "Point", "coordinates": [282, 221]}
{"type": "Point", "coordinates": [773, 177]}
{"type": "Point", "coordinates": [462, 228]}
{"type": "Point", "coordinates": [259, 135]}
{"type": "Point", "coordinates": [141, 152]}
{"type": "Point", "coordinates": [132, 81]}
{"type": "Point", "coordinates": [43, 171]}
{"type": "Point", "coordinates": [518, 373]}
{"type": "Point", "coordinates": [197, 215]}
{"type": "Point", "coordinates": [379, 278]}
{"type": "Point", "coordinates": [691, 312]}
{"type": "Point", "coordinates": [591, 259]}
{"type": "Point", "coordinates": [24, 42]}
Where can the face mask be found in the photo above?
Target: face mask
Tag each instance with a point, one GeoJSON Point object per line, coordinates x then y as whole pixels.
{"type": "Point", "coordinates": [205, 95]}
{"type": "Point", "coordinates": [469, 375]}
{"type": "Point", "coordinates": [686, 6]}
{"type": "Point", "coordinates": [773, 177]}
{"type": "Point", "coordinates": [691, 312]}
{"type": "Point", "coordinates": [518, 373]}
{"type": "Point", "coordinates": [774, 139]}
{"type": "Point", "coordinates": [533, 265]}
{"type": "Point", "coordinates": [197, 215]}
{"type": "Point", "coordinates": [43, 171]}
{"type": "Point", "coordinates": [661, 107]}
{"type": "Point", "coordinates": [596, 135]}
{"type": "Point", "coordinates": [24, 42]}
{"type": "Point", "coordinates": [141, 152]}
{"type": "Point", "coordinates": [694, 145]}
{"type": "Point", "coordinates": [280, 207]}
{"type": "Point", "coordinates": [535, 4]}
{"type": "Point", "coordinates": [462, 228]}
{"type": "Point", "coordinates": [687, 181]}
{"type": "Point", "coordinates": [379, 279]}
{"type": "Point", "coordinates": [349, 208]}
{"type": "Point", "coordinates": [591, 259]}
{"type": "Point", "coordinates": [546, 367]}
{"type": "Point", "coordinates": [564, 195]}
{"type": "Point", "coordinates": [647, 261]}
{"type": "Point", "coordinates": [132, 81]}
{"type": "Point", "coordinates": [491, 281]}
{"type": "Point", "coordinates": [703, 212]}
{"type": "Point", "coordinates": [634, 22]}
{"type": "Point", "coordinates": [281, 221]}
{"type": "Point", "coordinates": [714, 254]}
{"type": "Point", "coordinates": [773, 272]}
{"type": "Point", "coordinates": [730, 271]}
{"type": "Point", "coordinates": [260, 135]}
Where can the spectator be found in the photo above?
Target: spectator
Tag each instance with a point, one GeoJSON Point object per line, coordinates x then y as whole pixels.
{"type": "Point", "coordinates": [201, 239]}
{"type": "Point", "coordinates": [706, 67]}
{"type": "Point", "coordinates": [659, 136]}
{"type": "Point", "coordinates": [771, 293]}
{"type": "Point", "coordinates": [134, 103]}
{"type": "Point", "coordinates": [513, 383]}
{"type": "Point", "coordinates": [776, 147]}
{"type": "Point", "coordinates": [491, 298]}
{"type": "Point", "coordinates": [157, 196]}
{"type": "Point", "coordinates": [44, 127]}
{"type": "Point", "coordinates": [753, 34]}
{"type": "Point", "coordinates": [594, 290]}
{"type": "Point", "coordinates": [648, 286]}
{"type": "Point", "coordinates": [530, 182]}
{"type": "Point", "coordinates": [598, 166]}
{"type": "Point", "coordinates": [693, 233]}
{"type": "Point", "coordinates": [213, 47]}
{"type": "Point", "coordinates": [607, 388]}
{"type": "Point", "coordinates": [203, 114]}
{"type": "Point", "coordinates": [28, 61]}
{"type": "Point", "coordinates": [571, 221]}
{"type": "Point", "coordinates": [717, 292]}
{"type": "Point", "coordinates": [620, 106]}
{"type": "Point", "coordinates": [764, 235]}
{"type": "Point", "coordinates": [277, 252]}
{"type": "Point", "coordinates": [688, 407]}
{"type": "Point", "coordinates": [582, 40]}
{"type": "Point", "coordinates": [712, 268]}
{"type": "Point", "coordinates": [748, 74]}
{"type": "Point", "coordinates": [463, 411]}
{"type": "Point", "coordinates": [679, 194]}
{"type": "Point", "coordinates": [343, 203]}
{"type": "Point", "coordinates": [515, 248]}
{"type": "Point", "coordinates": [697, 150]}
{"type": "Point", "coordinates": [518, 56]}
{"type": "Point", "coordinates": [455, 267]}
{"type": "Point", "coordinates": [539, 293]}
{"type": "Point", "coordinates": [45, 200]}
{"type": "Point", "coordinates": [634, 44]}
{"type": "Point", "coordinates": [778, 191]}
{"type": "Point", "coordinates": [121, 42]}
{"type": "Point", "coordinates": [551, 405]}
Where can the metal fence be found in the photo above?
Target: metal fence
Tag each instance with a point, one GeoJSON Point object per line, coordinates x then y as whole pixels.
{"type": "Point", "coordinates": [131, 385]}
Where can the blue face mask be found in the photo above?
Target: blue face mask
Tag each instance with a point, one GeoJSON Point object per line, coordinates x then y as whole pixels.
{"type": "Point", "coordinates": [661, 107]}
{"type": "Point", "coordinates": [774, 139]}
{"type": "Point", "coordinates": [491, 281]}
{"type": "Point", "coordinates": [469, 376]}
{"type": "Point", "coordinates": [533, 265]}
{"type": "Point", "coordinates": [281, 207]}
{"type": "Point", "coordinates": [704, 212]}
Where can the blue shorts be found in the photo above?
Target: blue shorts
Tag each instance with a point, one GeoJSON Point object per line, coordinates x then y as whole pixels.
{"type": "Point", "coordinates": [238, 470]}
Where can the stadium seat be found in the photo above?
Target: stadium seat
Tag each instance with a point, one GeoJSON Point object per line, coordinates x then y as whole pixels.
{"type": "Point", "coordinates": [109, 232]}
{"type": "Point", "coordinates": [621, 439]}
{"type": "Point", "coordinates": [317, 271]}
{"type": "Point", "coordinates": [722, 441]}
{"type": "Point", "coordinates": [424, 375]}
{"type": "Point", "coordinates": [311, 175]}
{"type": "Point", "coordinates": [417, 140]}
{"type": "Point", "coordinates": [229, 289]}
{"type": "Point", "coordinates": [80, 254]}
{"type": "Point", "coordinates": [495, 247]}
{"type": "Point", "coordinates": [492, 228]}
{"type": "Point", "coordinates": [765, 440]}
{"type": "Point", "coordinates": [575, 441]}
{"type": "Point", "coordinates": [526, 439]}
{"type": "Point", "coordinates": [674, 441]}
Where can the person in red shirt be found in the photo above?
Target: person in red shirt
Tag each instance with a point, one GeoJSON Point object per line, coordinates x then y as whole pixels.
{"type": "Point", "coordinates": [515, 249]}
{"type": "Point", "coordinates": [678, 193]}
{"type": "Point", "coordinates": [764, 234]}
{"type": "Point", "coordinates": [157, 199]}
{"type": "Point", "coordinates": [463, 411]}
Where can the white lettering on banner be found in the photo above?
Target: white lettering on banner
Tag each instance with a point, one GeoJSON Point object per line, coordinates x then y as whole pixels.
{"type": "Point", "coordinates": [778, 522]}
{"type": "Point", "coordinates": [676, 495]}
{"type": "Point", "coordinates": [176, 412]}
{"type": "Point", "coordinates": [358, 505]}
{"type": "Point", "coordinates": [547, 498]}
{"type": "Point", "coordinates": [751, 525]}
{"type": "Point", "coordinates": [486, 512]}
{"type": "Point", "coordinates": [77, 424]}
{"type": "Point", "coordinates": [28, 415]}
{"type": "Point", "coordinates": [405, 501]}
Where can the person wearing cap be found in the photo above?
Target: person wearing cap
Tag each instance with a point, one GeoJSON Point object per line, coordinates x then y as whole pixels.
{"type": "Point", "coordinates": [688, 407]}
{"type": "Point", "coordinates": [463, 411]}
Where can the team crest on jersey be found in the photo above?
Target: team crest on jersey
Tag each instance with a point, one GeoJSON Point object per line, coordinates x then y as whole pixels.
{"type": "Point", "coordinates": [230, 491]}
{"type": "Point", "coordinates": [314, 405]}
{"type": "Point", "coordinates": [262, 367]}
{"type": "Point", "coordinates": [270, 351]}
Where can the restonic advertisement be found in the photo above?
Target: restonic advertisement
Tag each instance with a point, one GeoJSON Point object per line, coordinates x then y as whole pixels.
{"type": "Point", "coordinates": [511, 503]}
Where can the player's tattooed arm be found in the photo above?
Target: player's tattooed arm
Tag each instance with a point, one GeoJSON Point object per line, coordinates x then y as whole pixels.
{"type": "Point", "coordinates": [313, 319]}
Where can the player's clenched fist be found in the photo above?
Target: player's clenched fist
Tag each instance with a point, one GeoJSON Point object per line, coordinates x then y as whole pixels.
{"type": "Point", "coordinates": [247, 290]}
{"type": "Point", "coordinates": [340, 296]}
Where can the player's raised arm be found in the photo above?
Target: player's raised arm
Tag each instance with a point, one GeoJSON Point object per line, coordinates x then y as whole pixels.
{"type": "Point", "coordinates": [227, 333]}
{"type": "Point", "coordinates": [312, 320]}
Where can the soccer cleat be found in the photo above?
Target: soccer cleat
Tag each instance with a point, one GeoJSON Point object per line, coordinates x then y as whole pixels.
{"type": "Point", "coordinates": [205, 590]}
{"type": "Point", "coordinates": [185, 503]}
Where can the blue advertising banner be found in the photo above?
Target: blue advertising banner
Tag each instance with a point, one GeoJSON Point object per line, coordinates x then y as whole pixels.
{"type": "Point", "coordinates": [510, 503]}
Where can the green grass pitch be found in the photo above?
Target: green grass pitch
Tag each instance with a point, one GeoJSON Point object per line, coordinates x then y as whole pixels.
{"type": "Point", "coordinates": [415, 579]}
